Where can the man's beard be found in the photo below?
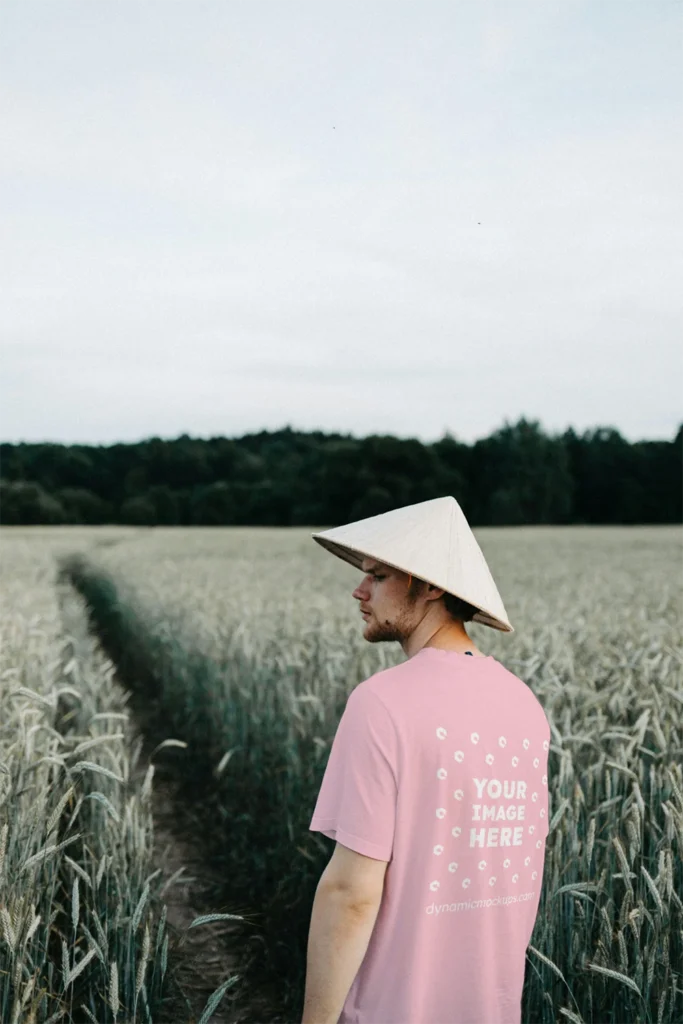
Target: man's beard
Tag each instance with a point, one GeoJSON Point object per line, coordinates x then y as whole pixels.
{"type": "Point", "coordinates": [383, 630]}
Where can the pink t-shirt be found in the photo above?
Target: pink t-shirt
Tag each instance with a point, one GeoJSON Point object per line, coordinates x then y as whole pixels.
{"type": "Point", "coordinates": [439, 766]}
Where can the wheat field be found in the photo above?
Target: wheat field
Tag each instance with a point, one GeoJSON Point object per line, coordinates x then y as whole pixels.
{"type": "Point", "coordinates": [82, 925]}
{"type": "Point", "coordinates": [246, 643]}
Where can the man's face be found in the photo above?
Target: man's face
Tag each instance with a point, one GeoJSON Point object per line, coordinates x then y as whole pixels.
{"type": "Point", "coordinates": [394, 611]}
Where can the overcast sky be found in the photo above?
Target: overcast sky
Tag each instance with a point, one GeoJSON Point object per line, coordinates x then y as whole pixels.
{"type": "Point", "coordinates": [405, 218]}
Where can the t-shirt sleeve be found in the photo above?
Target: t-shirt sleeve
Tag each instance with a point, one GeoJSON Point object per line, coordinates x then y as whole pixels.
{"type": "Point", "coordinates": [356, 803]}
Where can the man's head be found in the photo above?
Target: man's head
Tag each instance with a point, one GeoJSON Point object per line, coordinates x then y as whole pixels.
{"type": "Point", "coordinates": [398, 603]}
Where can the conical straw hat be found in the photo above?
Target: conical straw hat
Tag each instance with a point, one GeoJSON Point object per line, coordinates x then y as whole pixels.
{"type": "Point", "coordinates": [431, 540]}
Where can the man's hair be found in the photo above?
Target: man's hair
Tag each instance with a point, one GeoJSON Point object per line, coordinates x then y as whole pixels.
{"type": "Point", "coordinates": [460, 610]}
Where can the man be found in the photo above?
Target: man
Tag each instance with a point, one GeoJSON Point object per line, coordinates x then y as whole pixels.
{"type": "Point", "coordinates": [435, 792]}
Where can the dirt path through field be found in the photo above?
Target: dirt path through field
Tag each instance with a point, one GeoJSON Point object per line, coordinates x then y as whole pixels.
{"type": "Point", "coordinates": [198, 957]}
{"type": "Point", "coordinates": [202, 958]}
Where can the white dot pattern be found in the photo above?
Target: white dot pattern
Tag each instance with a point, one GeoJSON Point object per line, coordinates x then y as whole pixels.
{"type": "Point", "coordinates": [501, 799]}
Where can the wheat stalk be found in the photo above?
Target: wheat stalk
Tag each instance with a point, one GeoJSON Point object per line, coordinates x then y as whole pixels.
{"type": "Point", "coordinates": [114, 987]}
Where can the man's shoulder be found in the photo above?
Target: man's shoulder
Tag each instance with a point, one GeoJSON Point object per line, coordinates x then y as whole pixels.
{"type": "Point", "coordinates": [373, 684]}
{"type": "Point", "coordinates": [384, 683]}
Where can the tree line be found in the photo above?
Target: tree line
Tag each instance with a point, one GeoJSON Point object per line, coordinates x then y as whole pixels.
{"type": "Point", "coordinates": [518, 475]}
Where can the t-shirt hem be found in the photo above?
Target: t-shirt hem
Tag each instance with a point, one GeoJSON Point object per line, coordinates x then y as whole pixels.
{"type": "Point", "coordinates": [356, 843]}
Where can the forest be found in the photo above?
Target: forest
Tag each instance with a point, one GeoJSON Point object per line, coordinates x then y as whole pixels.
{"type": "Point", "coordinates": [519, 475]}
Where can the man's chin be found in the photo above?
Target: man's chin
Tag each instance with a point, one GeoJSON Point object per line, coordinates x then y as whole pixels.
{"type": "Point", "coordinates": [376, 637]}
